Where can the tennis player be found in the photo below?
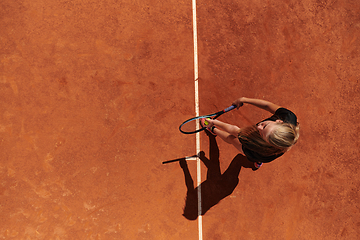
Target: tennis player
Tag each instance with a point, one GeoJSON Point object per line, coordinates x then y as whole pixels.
{"type": "Point", "coordinates": [263, 142]}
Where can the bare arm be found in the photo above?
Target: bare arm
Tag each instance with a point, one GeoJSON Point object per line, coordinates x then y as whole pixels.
{"type": "Point", "coordinates": [263, 104]}
{"type": "Point", "coordinates": [229, 138]}
{"type": "Point", "coordinates": [229, 128]}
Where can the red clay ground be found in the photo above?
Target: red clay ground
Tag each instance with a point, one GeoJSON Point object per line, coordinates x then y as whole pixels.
{"type": "Point", "coordinates": [92, 93]}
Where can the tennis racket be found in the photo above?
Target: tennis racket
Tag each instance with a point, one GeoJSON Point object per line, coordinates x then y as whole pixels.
{"type": "Point", "coordinates": [191, 125]}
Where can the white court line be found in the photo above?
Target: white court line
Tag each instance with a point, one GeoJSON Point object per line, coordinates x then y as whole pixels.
{"type": "Point", "coordinates": [191, 158]}
{"type": "Point", "coordinates": [196, 73]}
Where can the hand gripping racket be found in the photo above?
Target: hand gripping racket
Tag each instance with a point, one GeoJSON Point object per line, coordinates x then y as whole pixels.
{"type": "Point", "coordinates": [191, 126]}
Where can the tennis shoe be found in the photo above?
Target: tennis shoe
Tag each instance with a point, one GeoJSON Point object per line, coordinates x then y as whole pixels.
{"type": "Point", "coordinates": [258, 164]}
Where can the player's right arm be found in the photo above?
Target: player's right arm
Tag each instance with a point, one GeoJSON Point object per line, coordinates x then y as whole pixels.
{"type": "Point", "coordinates": [263, 104]}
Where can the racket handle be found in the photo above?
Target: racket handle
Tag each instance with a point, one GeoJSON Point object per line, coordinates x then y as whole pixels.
{"type": "Point", "coordinates": [229, 108]}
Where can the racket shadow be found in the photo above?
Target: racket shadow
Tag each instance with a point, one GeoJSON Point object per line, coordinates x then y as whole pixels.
{"type": "Point", "coordinates": [178, 159]}
{"type": "Point", "coordinates": [217, 186]}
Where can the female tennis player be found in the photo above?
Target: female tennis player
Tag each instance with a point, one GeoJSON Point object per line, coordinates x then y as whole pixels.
{"type": "Point", "coordinates": [263, 142]}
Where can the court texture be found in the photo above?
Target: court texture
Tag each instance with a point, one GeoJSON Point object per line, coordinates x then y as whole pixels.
{"type": "Point", "coordinates": [92, 93]}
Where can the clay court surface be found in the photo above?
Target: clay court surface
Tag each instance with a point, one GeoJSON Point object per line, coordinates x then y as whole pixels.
{"type": "Point", "coordinates": [92, 94]}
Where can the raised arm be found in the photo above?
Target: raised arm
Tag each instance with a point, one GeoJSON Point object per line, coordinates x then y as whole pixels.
{"type": "Point", "coordinates": [263, 104]}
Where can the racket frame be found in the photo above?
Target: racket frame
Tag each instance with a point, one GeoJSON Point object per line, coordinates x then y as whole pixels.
{"type": "Point", "coordinates": [214, 115]}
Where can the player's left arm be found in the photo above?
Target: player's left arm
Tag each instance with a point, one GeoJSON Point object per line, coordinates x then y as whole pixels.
{"type": "Point", "coordinates": [229, 128]}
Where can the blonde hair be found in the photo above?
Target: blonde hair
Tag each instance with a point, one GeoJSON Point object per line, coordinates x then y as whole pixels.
{"type": "Point", "coordinates": [284, 135]}
{"type": "Point", "coordinates": [280, 140]}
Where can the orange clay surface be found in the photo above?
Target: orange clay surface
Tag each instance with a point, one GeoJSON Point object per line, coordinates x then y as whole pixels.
{"type": "Point", "coordinates": [92, 94]}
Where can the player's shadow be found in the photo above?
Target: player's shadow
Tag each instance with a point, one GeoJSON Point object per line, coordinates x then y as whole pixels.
{"type": "Point", "coordinates": [217, 186]}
